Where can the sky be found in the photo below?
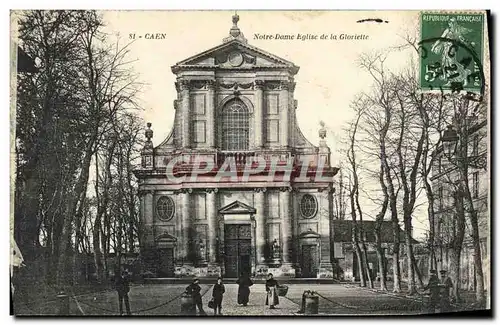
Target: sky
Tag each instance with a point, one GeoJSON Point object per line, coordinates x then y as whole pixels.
{"type": "Point", "coordinates": [328, 80]}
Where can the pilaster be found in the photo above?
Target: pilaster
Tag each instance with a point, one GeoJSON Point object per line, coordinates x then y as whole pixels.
{"type": "Point", "coordinates": [186, 252]}
{"type": "Point", "coordinates": [260, 227]}
{"type": "Point", "coordinates": [212, 225]}
{"type": "Point", "coordinates": [185, 101]}
{"type": "Point", "coordinates": [286, 224]}
{"type": "Point", "coordinates": [284, 114]}
{"type": "Point", "coordinates": [325, 266]}
{"type": "Point", "coordinates": [259, 111]}
{"type": "Point", "coordinates": [211, 113]}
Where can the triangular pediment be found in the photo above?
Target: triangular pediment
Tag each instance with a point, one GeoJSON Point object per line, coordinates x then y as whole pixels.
{"type": "Point", "coordinates": [237, 207]}
{"type": "Point", "coordinates": [234, 54]}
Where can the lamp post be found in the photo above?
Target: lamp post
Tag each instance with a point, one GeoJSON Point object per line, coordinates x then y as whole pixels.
{"type": "Point", "coordinates": [462, 161]}
{"type": "Point", "coordinates": [450, 140]}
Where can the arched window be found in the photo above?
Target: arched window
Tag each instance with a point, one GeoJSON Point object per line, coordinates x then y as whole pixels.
{"type": "Point", "coordinates": [235, 126]}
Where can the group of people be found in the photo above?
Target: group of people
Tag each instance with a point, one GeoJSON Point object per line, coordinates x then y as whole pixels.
{"type": "Point", "coordinates": [244, 283]}
{"type": "Point", "coordinates": [439, 291]}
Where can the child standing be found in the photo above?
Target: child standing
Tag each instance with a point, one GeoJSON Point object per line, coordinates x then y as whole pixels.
{"type": "Point", "coordinates": [217, 295]}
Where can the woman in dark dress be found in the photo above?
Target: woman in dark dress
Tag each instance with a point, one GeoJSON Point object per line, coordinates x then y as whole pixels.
{"type": "Point", "coordinates": [244, 283]}
{"type": "Point", "coordinates": [217, 295]}
{"type": "Point", "coordinates": [272, 292]}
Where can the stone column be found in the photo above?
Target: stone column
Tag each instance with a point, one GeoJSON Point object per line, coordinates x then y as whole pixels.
{"type": "Point", "coordinates": [211, 100]}
{"type": "Point", "coordinates": [284, 114]}
{"type": "Point", "coordinates": [260, 227]}
{"type": "Point", "coordinates": [212, 225]}
{"type": "Point", "coordinates": [286, 225]}
{"type": "Point", "coordinates": [259, 112]}
{"type": "Point", "coordinates": [185, 101]}
{"type": "Point", "coordinates": [186, 228]}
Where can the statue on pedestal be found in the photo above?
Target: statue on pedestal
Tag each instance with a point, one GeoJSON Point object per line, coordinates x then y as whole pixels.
{"type": "Point", "coordinates": [202, 253]}
{"type": "Point", "coordinates": [275, 252]}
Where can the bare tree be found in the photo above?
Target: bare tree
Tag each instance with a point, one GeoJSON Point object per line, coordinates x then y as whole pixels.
{"type": "Point", "coordinates": [383, 98]}
{"type": "Point", "coordinates": [359, 236]}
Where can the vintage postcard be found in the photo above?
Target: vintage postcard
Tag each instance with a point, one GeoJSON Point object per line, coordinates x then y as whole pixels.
{"type": "Point", "coordinates": [250, 163]}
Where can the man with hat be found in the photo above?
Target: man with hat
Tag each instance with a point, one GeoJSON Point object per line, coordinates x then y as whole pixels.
{"type": "Point", "coordinates": [194, 289]}
{"type": "Point", "coordinates": [433, 287]}
{"type": "Point", "coordinates": [122, 287]}
{"type": "Point", "coordinates": [446, 286]}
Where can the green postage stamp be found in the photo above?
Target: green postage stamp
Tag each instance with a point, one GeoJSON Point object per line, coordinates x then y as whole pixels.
{"type": "Point", "coordinates": [452, 52]}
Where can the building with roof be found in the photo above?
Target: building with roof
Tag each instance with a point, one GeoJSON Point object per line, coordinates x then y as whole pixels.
{"type": "Point", "coordinates": [346, 258]}
{"type": "Point", "coordinates": [236, 187]}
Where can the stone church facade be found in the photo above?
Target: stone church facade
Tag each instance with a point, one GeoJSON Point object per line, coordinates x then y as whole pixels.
{"type": "Point", "coordinates": [236, 104]}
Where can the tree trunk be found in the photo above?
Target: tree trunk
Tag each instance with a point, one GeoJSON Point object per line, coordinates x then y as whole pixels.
{"type": "Point", "coordinates": [457, 241]}
{"type": "Point", "coordinates": [417, 272]}
{"type": "Point", "coordinates": [96, 231]}
{"type": "Point", "coordinates": [430, 213]}
{"type": "Point", "coordinates": [361, 269]}
{"type": "Point", "coordinates": [478, 263]}
{"type": "Point", "coordinates": [96, 243]}
{"type": "Point", "coordinates": [70, 213]}
{"type": "Point", "coordinates": [366, 265]}
{"type": "Point", "coordinates": [476, 242]}
{"type": "Point", "coordinates": [454, 258]}
{"type": "Point", "coordinates": [409, 257]}
{"type": "Point", "coordinates": [396, 270]}
{"type": "Point", "coordinates": [381, 265]}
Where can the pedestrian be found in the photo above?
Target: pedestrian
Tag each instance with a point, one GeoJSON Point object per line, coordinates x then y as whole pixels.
{"type": "Point", "coordinates": [272, 292]}
{"type": "Point", "coordinates": [122, 286]}
{"type": "Point", "coordinates": [433, 287]}
{"type": "Point", "coordinates": [217, 295]}
{"type": "Point", "coordinates": [446, 286]}
{"type": "Point", "coordinates": [244, 283]}
{"type": "Point", "coordinates": [194, 289]}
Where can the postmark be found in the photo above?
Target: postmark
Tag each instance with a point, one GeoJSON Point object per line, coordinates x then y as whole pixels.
{"type": "Point", "coordinates": [451, 57]}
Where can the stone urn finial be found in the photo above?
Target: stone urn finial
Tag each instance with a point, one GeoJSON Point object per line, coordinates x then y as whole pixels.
{"type": "Point", "coordinates": [149, 132]}
{"type": "Point", "coordinates": [235, 32]}
{"type": "Point", "coordinates": [322, 130]}
{"type": "Point", "coordinates": [148, 146]}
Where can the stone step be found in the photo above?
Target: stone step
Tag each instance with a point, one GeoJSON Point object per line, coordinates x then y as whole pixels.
{"type": "Point", "coordinates": [212, 280]}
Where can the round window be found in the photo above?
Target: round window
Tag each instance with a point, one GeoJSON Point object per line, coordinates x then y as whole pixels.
{"type": "Point", "coordinates": [165, 208]}
{"type": "Point", "coordinates": [308, 206]}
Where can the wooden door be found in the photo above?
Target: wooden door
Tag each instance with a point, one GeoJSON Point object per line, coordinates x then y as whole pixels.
{"type": "Point", "coordinates": [238, 248]}
{"type": "Point", "coordinates": [309, 261]}
{"type": "Point", "coordinates": [166, 260]}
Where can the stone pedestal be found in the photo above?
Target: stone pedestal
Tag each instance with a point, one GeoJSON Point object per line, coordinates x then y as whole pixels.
{"type": "Point", "coordinates": [285, 270]}
{"type": "Point", "coordinates": [325, 270]}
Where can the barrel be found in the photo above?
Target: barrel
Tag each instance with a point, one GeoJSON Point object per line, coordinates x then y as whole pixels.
{"type": "Point", "coordinates": [188, 307]}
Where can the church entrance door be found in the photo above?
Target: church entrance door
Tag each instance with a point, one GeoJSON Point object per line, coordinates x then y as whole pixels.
{"type": "Point", "coordinates": [309, 261]}
{"type": "Point", "coordinates": [238, 248]}
{"type": "Point", "coordinates": [166, 259]}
